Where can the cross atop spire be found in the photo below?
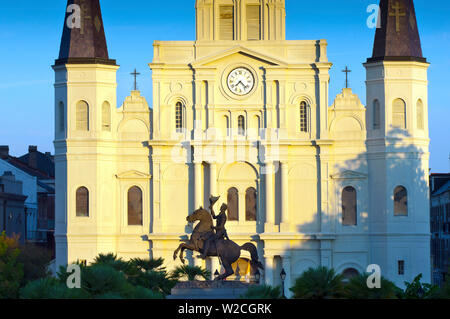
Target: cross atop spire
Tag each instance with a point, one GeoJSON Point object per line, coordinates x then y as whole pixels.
{"type": "Point", "coordinates": [346, 71]}
{"type": "Point", "coordinates": [398, 37]}
{"type": "Point", "coordinates": [135, 74]}
{"type": "Point", "coordinates": [83, 39]}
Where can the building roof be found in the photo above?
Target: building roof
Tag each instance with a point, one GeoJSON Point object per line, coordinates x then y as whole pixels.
{"type": "Point", "coordinates": [34, 163]}
{"type": "Point", "coordinates": [44, 161]}
{"type": "Point", "coordinates": [398, 38]}
{"type": "Point", "coordinates": [83, 40]}
{"type": "Point", "coordinates": [443, 189]}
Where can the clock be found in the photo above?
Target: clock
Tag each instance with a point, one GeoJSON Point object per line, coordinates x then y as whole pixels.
{"type": "Point", "coordinates": [241, 81]}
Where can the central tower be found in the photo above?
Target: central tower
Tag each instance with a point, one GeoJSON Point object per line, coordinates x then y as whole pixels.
{"type": "Point", "coordinates": [240, 20]}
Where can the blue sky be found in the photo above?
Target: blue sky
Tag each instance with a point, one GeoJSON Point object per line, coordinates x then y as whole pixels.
{"type": "Point", "coordinates": [30, 32]}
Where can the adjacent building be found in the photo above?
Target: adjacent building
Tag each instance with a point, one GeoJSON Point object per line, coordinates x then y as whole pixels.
{"type": "Point", "coordinates": [440, 227]}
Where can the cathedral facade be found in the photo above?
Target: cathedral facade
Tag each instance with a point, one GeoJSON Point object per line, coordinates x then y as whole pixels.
{"type": "Point", "coordinates": [244, 114]}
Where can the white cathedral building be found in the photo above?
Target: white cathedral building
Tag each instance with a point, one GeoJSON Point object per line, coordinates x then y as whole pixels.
{"type": "Point", "coordinates": [243, 113]}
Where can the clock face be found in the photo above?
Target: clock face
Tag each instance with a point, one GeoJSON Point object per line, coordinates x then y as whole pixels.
{"type": "Point", "coordinates": [240, 81]}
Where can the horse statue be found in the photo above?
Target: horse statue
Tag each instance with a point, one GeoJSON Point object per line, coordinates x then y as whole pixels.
{"type": "Point", "coordinates": [227, 251]}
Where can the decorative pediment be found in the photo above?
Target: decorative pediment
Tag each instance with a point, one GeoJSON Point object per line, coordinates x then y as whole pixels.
{"type": "Point", "coordinates": [238, 50]}
{"type": "Point", "coordinates": [133, 175]}
{"type": "Point", "coordinates": [348, 175]}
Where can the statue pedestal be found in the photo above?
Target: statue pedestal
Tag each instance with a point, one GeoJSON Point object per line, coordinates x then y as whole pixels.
{"type": "Point", "coordinates": [209, 290]}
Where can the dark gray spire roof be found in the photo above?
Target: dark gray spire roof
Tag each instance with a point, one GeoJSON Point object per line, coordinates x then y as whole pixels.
{"type": "Point", "coordinates": [83, 39]}
{"type": "Point", "coordinates": [398, 38]}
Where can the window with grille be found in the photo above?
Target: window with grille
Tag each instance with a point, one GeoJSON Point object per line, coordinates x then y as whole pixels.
{"type": "Point", "coordinates": [253, 22]}
{"type": "Point", "coordinates": [226, 28]}
{"type": "Point", "coordinates": [303, 117]}
{"type": "Point", "coordinates": [399, 114]}
{"type": "Point", "coordinates": [401, 267]}
{"type": "Point", "coordinates": [179, 117]}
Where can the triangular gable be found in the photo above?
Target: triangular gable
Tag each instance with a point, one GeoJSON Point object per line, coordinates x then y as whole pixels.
{"type": "Point", "coordinates": [348, 175]}
{"type": "Point", "coordinates": [133, 175]}
{"type": "Point", "coordinates": [238, 49]}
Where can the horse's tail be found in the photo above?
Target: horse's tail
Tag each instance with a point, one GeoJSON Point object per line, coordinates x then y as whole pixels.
{"type": "Point", "coordinates": [253, 253]}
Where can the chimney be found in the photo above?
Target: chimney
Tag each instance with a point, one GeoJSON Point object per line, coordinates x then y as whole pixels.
{"type": "Point", "coordinates": [4, 151]}
{"type": "Point", "coordinates": [32, 156]}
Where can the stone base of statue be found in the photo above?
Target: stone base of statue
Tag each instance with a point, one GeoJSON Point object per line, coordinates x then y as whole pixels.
{"type": "Point", "coordinates": [209, 290]}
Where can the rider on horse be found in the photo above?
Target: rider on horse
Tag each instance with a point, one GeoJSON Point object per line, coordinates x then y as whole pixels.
{"type": "Point", "coordinates": [221, 232]}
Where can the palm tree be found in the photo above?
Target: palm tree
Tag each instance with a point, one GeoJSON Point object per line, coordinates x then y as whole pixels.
{"type": "Point", "coordinates": [262, 292]}
{"type": "Point", "coordinates": [319, 283]}
{"type": "Point", "coordinates": [191, 272]}
{"type": "Point", "coordinates": [357, 288]}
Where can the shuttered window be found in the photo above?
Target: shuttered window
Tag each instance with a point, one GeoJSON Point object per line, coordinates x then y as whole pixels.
{"type": "Point", "coordinates": [253, 22]}
{"type": "Point", "coordinates": [420, 116]}
{"type": "Point", "coordinates": [250, 204]}
{"type": "Point", "coordinates": [226, 23]}
{"type": "Point", "coordinates": [303, 117]}
{"type": "Point", "coordinates": [135, 206]}
{"type": "Point", "coordinates": [62, 118]}
{"type": "Point", "coordinates": [82, 202]}
{"type": "Point", "coordinates": [106, 117]}
{"type": "Point", "coordinates": [82, 116]}
{"type": "Point", "coordinates": [376, 115]}
{"type": "Point", "coordinates": [233, 204]}
{"type": "Point", "coordinates": [399, 114]}
{"type": "Point", "coordinates": [349, 209]}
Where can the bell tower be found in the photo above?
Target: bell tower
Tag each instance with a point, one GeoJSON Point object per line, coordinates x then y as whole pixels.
{"type": "Point", "coordinates": [85, 96]}
{"type": "Point", "coordinates": [240, 20]}
{"type": "Point", "coordinates": [398, 145]}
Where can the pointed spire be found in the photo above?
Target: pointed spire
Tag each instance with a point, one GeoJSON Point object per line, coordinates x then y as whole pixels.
{"type": "Point", "coordinates": [397, 39]}
{"type": "Point", "coordinates": [83, 40]}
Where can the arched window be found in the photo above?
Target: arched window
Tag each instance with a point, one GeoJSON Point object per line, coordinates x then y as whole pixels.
{"type": "Point", "coordinates": [82, 116]}
{"type": "Point", "coordinates": [62, 117]}
{"type": "Point", "coordinates": [420, 115]}
{"type": "Point", "coordinates": [179, 120]}
{"type": "Point", "coordinates": [134, 206]}
{"type": "Point", "coordinates": [376, 115]}
{"type": "Point", "coordinates": [82, 202]}
{"type": "Point", "coordinates": [400, 201]}
{"type": "Point", "coordinates": [250, 204]}
{"type": "Point", "coordinates": [349, 208]}
{"type": "Point", "coordinates": [303, 117]}
{"type": "Point", "coordinates": [399, 114]}
{"type": "Point", "coordinates": [241, 125]}
{"type": "Point", "coordinates": [106, 117]}
{"type": "Point", "coordinates": [233, 204]}
{"type": "Point", "coordinates": [349, 273]}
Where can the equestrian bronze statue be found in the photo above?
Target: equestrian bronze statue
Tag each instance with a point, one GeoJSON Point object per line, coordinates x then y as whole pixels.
{"type": "Point", "coordinates": [213, 241]}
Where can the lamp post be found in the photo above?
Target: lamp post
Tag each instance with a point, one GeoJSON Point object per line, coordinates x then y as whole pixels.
{"type": "Point", "coordinates": [257, 276]}
{"type": "Point", "coordinates": [283, 278]}
{"type": "Point", "coordinates": [216, 274]}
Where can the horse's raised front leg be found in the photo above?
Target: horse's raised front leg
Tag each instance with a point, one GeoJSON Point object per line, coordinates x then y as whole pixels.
{"type": "Point", "coordinates": [183, 247]}
{"type": "Point", "coordinates": [175, 253]}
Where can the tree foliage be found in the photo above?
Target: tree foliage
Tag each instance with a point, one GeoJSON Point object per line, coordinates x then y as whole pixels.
{"type": "Point", "coordinates": [357, 288]}
{"type": "Point", "coordinates": [11, 270]}
{"type": "Point", "coordinates": [262, 292]}
{"type": "Point", "coordinates": [191, 273]}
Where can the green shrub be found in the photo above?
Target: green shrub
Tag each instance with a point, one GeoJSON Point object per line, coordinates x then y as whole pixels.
{"type": "Point", "coordinates": [262, 292]}
{"type": "Point", "coordinates": [357, 288]}
{"type": "Point", "coordinates": [319, 283]}
{"type": "Point", "coordinates": [191, 273]}
{"type": "Point", "coordinates": [11, 270]}
{"type": "Point", "coordinates": [51, 288]}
